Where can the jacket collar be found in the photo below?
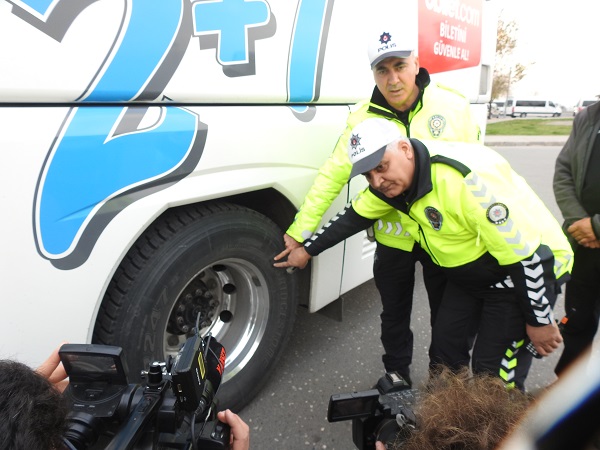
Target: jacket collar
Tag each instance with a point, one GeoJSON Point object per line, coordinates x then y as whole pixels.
{"type": "Point", "coordinates": [422, 184]}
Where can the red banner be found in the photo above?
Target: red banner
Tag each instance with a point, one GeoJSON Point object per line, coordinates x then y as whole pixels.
{"type": "Point", "coordinates": [449, 34]}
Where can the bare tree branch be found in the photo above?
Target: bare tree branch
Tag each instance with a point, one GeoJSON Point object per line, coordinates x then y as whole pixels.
{"type": "Point", "coordinates": [506, 72]}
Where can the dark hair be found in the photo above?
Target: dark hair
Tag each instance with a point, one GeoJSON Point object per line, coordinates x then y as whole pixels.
{"type": "Point", "coordinates": [32, 412]}
{"type": "Point", "coordinates": [459, 411]}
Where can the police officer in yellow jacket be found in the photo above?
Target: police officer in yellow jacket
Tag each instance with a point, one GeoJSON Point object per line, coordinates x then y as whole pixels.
{"type": "Point", "coordinates": [503, 252]}
{"type": "Point", "coordinates": [421, 108]}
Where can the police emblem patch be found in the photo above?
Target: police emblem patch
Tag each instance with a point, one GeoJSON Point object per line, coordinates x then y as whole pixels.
{"type": "Point", "coordinates": [385, 37]}
{"type": "Point", "coordinates": [355, 141]}
{"type": "Point", "coordinates": [434, 217]}
{"type": "Point", "coordinates": [497, 213]}
{"type": "Point", "coordinates": [437, 124]}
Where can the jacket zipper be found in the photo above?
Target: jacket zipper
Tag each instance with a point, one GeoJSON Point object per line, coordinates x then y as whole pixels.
{"type": "Point", "coordinates": [424, 239]}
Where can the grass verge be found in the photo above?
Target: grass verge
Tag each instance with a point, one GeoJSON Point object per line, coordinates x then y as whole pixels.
{"type": "Point", "coordinates": [530, 127]}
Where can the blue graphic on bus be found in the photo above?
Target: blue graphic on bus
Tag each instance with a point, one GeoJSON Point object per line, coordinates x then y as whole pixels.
{"type": "Point", "coordinates": [102, 159]}
{"type": "Point", "coordinates": [141, 51]}
{"type": "Point", "coordinates": [306, 54]}
{"type": "Point", "coordinates": [230, 20]}
{"type": "Point", "coordinates": [40, 6]}
{"type": "Point", "coordinates": [90, 166]}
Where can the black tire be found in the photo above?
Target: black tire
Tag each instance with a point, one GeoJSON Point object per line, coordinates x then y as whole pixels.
{"type": "Point", "coordinates": [217, 259]}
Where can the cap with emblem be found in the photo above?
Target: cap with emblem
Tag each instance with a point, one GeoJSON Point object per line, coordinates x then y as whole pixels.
{"type": "Point", "coordinates": [398, 42]}
{"type": "Point", "coordinates": [368, 141]}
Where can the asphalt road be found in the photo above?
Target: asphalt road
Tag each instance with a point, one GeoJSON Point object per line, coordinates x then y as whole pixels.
{"type": "Point", "coordinates": [326, 356]}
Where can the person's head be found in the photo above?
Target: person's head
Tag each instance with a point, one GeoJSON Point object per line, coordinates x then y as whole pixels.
{"type": "Point", "coordinates": [395, 64]}
{"type": "Point", "coordinates": [32, 412]}
{"type": "Point", "coordinates": [378, 150]}
{"type": "Point", "coordinates": [465, 412]}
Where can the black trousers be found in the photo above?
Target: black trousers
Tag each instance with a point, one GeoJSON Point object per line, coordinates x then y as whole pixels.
{"type": "Point", "coordinates": [394, 275]}
{"type": "Point", "coordinates": [582, 305]}
{"type": "Point", "coordinates": [481, 323]}
{"type": "Point", "coordinates": [495, 316]}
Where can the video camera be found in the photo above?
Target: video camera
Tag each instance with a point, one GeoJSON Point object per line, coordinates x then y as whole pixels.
{"type": "Point", "coordinates": [383, 414]}
{"type": "Point", "coordinates": [174, 409]}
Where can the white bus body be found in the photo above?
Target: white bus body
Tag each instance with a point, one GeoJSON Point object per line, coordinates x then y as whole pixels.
{"type": "Point", "coordinates": [154, 151]}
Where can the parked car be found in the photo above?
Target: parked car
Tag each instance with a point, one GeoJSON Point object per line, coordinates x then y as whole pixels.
{"type": "Point", "coordinates": [501, 107]}
{"type": "Point", "coordinates": [581, 104]}
{"type": "Point", "coordinates": [493, 110]}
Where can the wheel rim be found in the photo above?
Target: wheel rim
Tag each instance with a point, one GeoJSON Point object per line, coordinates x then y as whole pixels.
{"type": "Point", "coordinates": [233, 300]}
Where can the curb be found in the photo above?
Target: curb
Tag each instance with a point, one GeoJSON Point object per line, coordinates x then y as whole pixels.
{"type": "Point", "coordinates": [522, 143]}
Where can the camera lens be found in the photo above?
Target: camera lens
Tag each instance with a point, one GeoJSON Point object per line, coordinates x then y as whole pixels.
{"type": "Point", "coordinates": [82, 430]}
{"type": "Point", "coordinates": [387, 430]}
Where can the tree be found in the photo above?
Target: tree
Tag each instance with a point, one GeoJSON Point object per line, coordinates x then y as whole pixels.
{"type": "Point", "coordinates": [506, 71]}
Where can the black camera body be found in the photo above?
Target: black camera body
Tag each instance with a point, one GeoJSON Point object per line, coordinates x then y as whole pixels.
{"type": "Point", "coordinates": [175, 407]}
{"type": "Point", "coordinates": [381, 414]}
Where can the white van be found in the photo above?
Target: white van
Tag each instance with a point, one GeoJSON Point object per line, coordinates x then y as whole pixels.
{"type": "Point", "coordinates": [154, 152]}
{"type": "Point", "coordinates": [522, 108]}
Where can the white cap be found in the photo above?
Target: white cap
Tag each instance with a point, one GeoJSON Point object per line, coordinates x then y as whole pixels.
{"type": "Point", "coordinates": [383, 43]}
{"type": "Point", "coordinates": [368, 141]}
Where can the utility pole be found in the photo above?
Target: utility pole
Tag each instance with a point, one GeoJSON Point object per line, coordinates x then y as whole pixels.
{"type": "Point", "coordinates": [507, 89]}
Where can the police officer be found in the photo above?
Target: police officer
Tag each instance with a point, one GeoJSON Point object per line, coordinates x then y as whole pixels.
{"type": "Point", "coordinates": [503, 252]}
{"type": "Point", "coordinates": [406, 96]}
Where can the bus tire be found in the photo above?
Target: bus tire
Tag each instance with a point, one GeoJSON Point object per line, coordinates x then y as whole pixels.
{"type": "Point", "coordinates": [216, 259]}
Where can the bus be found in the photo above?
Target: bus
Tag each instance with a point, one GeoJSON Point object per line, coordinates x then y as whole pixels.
{"type": "Point", "coordinates": [154, 152]}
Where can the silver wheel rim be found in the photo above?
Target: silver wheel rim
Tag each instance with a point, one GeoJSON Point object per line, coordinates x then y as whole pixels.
{"type": "Point", "coordinates": [233, 298]}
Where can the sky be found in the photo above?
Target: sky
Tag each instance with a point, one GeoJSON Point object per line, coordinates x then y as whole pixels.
{"type": "Point", "coordinates": [561, 38]}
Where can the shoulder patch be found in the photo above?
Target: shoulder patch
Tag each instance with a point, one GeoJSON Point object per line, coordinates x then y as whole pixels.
{"type": "Point", "coordinates": [497, 213]}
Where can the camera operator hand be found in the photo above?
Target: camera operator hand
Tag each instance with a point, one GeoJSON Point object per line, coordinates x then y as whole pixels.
{"type": "Point", "coordinates": [53, 370]}
{"type": "Point", "coordinates": [240, 432]}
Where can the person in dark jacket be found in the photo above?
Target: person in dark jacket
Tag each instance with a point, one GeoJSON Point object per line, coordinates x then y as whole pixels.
{"type": "Point", "coordinates": [577, 193]}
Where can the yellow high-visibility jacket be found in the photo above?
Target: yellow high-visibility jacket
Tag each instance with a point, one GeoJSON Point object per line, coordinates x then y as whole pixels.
{"type": "Point", "coordinates": [441, 114]}
{"type": "Point", "coordinates": [466, 202]}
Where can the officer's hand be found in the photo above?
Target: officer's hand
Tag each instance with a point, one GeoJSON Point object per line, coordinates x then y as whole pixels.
{"type": "Point", "coordinates": [297, 258]}
{"type": "Point", "coordinates": [545, 339]}
{"type": "Point", "coordinates": [583, 232]}
{"type": "Point", "coordinates": [290, 244]}
{"type": "Point", "coordinates": [53, 369]}
{"type": "Point", "coordinates": [379, 446]}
